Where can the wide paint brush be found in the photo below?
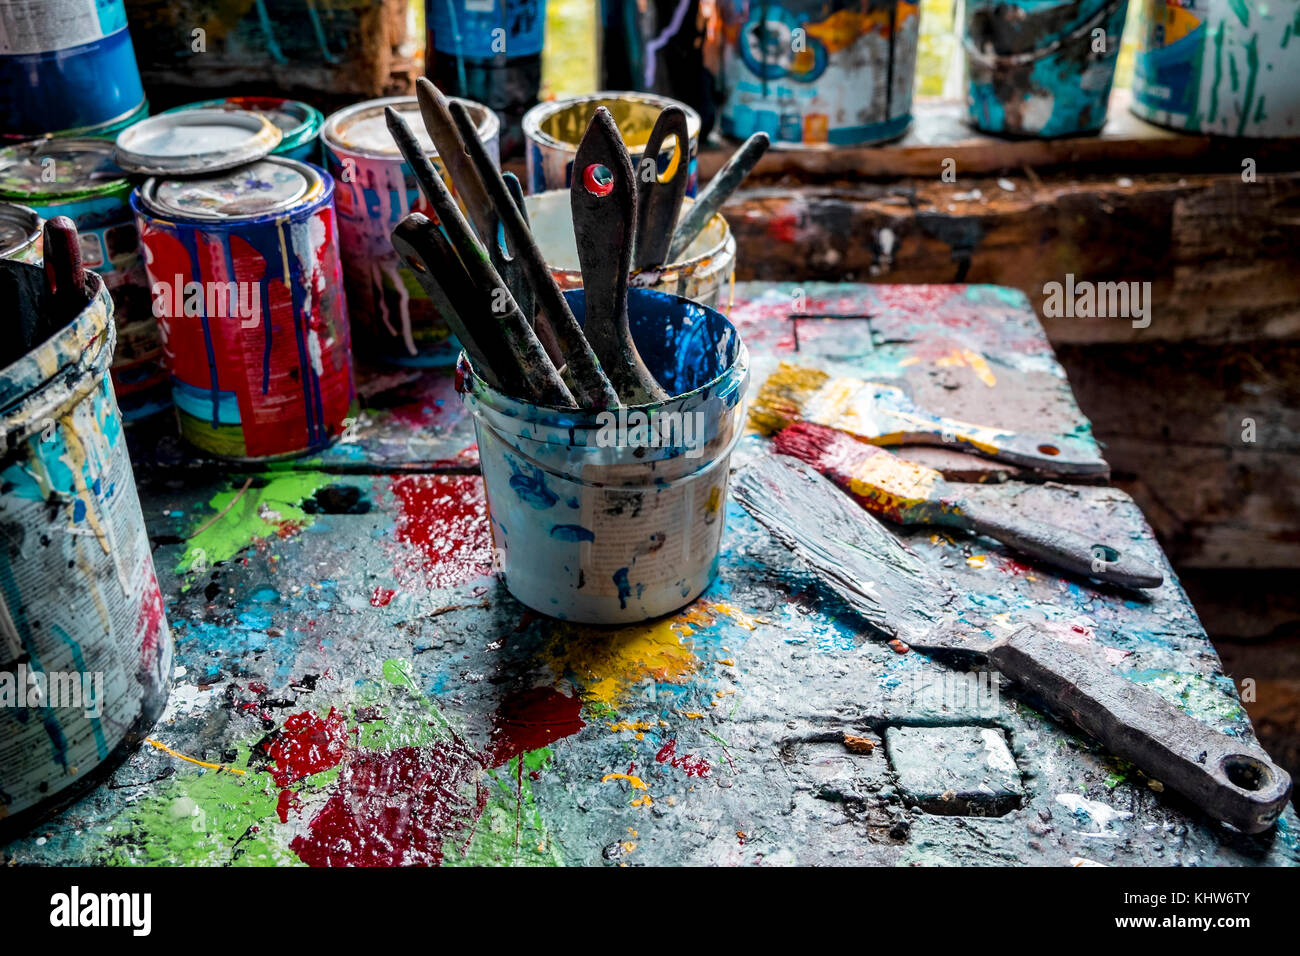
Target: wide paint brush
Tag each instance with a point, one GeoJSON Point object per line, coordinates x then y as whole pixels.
{"type": "Point", "coordinates": [492, 312]}
{"type": "Point", "coordinates": [902, 597]}
{"type": "Point", "coordinates": [658, 200]}
{"type": "Point", "coordinates": [884, 415]}
{"type": "Point", "coordinates": [603, 199]}
{"type": "Point", "coordinates": [709, 202]}
{"type": "Point", "coordinates": [582, 371]}
{"type": "Point", "coordinates": [908, 493]}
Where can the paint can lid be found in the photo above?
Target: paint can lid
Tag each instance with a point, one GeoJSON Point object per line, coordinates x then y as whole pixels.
{"type": "Point", "coordinates": [298, 122]}
{"type": "Point", "coordinates": [193, 142]}
{"type": "Point", "coordinates": [269, 186]}
{"type": "Point", "coordinates": [362, 129]}
{"type": "Point", "coordinates": [20, 229]}
{"type": "Point", "coordinates": [59, 170]}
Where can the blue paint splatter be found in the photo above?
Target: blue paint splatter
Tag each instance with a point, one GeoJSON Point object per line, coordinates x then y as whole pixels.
{"type": "Point", "coordinates": [572, 533]}
{"type": "Point", "coordinates": [532, 488]}
{"type": "Point", "coordinates": [624, 589]}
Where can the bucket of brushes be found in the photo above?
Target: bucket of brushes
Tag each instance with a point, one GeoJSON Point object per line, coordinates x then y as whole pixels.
{"type": "Point", "coordinates": [605, 417]}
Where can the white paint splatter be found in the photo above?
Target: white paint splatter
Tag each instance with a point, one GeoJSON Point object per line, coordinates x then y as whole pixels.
{"type": "Point", "coordinates": [1096, 811]}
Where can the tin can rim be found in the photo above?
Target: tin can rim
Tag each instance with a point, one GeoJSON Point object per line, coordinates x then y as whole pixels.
{"type": "Point", "coordinates": [264, 136]}
{"type": "Point", "coordinates": [489, 126]}
{"type": "Point", "coordinates": [46, 197]}
{"type": "Point", "coordinates": [320, 185]}
{"type": "Point", "coordinates": [27, 219]}
{"type": "Point", "coordinates": [539, 114]}
{"type": "Point", "coordinates": [310, 119]}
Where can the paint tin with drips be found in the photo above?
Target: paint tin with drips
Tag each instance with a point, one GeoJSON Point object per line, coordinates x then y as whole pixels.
{"type": "Point", "coordinates": [247, 286]}
{"type": "Point", "coordinates": [819, 73]}
{"type": "Point", "coordinates": [617, 517]}
{"type": "Point", "coordinates": [20, 233]}
{"type": "Point", "coordinates": [79, 178]}
{"type": "Point", "coordinates": [1219, 66]}
{"type": "Point", "coordinates": [373, 190]}
{"type": "Point", "coordinates": [85, 651]}
{"type": "Point", "coordinates": [704, 274]}
{"type": "Point", "coordinates": [300, 123]}
{"type": "Point", "coordinates": [66, 67]}
{"type": "Point", "coordinates": [1041, 67]}
{"type": "Point", "coordinates": [552, 132]}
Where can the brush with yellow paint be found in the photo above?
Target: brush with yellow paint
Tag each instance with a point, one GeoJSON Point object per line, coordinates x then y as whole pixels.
{"type": "Point", "coordinates": [908, 493]}
{"type": "Point", "coordinates": [884, 415]}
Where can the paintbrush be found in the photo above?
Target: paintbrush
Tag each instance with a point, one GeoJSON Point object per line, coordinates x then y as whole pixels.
{"type": "Point", "coordinates": [65, 276]}
{"type": "Point", "coordinates": [603, 199]}
{"type": "Point", "coordinates": [908, 493]}
{"type": "Point", "coordinates": [884, 415]}
{"type": "Point", "coordinates": [904, 598]}
{"type": "Point", "coordinates": [533, 374]}
{"type": "Point", "coordinates": [582, 370]}
{"type": "Point", "coordinates": [658, 201]}
{"type": "Point", "coordinates": [709, 202]}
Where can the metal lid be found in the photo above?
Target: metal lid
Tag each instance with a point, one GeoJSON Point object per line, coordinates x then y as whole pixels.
{"type": "Point", "coordinates": [46, 170]}
{"type": "Point", "coordinates": [20, 228]}
{"type": "Point", "coordinates": [298, 122]}
{"type": "Point", "coordinates": [196, 141]}
{"type": "Point", "coordinates": [363, 129]}
{"type": "Point", "coordinates": [268, 186]}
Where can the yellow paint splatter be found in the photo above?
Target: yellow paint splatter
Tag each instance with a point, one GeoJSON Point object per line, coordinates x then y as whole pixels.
{"type": "Point", "coordinates": [692, 715]}
{"type": "Point", "coordinates": [636, 783]}
{"type": "Point", "coordinates": [727, 660]}
{"type": "Point", "coordinates": [977, 560]}
{"type": "Point", "coordinates": [180, 756]}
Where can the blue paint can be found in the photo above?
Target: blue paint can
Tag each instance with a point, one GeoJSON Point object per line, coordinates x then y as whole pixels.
{"type": "Point", "coordinates": [66, 66]}
{"type": "Point", "coordinates": [616, 517]}
{"type": "Point", "coordinates": [85, 651]}
{"type": "Point", "coordinates": [1041, 68]}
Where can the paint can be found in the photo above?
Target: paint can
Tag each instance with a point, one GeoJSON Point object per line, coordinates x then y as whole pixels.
{"type": "Point", "coordinates": [552, 132]}
{"type": "Point", "coordinates": [78, 178]}
{"type": "Point", "coordinates": [1227, 67]}
{"type": "Point", "coordinates": [707, 269]}
{"type": "Point", "coordinates": [489, 51]}
{"type": "Point", "coordinates": [1041, 68]}
{"type": "Point", "coordinates": [819, 73]}
{"type": "Point", "coordinates": [80, 608]}
{"type": "Point", "coordinates": [299, 122]}
{"type": "Point", "coordinates": [617, 517]}
{"type": "Point", "coordinates": [20, 233]}
{"type": "Point", "coordinates": [247, 286]}
{"type": "Point", "coordinates": [66, 66]}
{"type": "Point", "coordinates": [373, 190]}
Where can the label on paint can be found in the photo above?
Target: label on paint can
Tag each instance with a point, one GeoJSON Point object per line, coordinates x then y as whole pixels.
{"type": "Point", "coordinates": [487, 29]}
{"type": "Point", "coordinates": [44, 26]}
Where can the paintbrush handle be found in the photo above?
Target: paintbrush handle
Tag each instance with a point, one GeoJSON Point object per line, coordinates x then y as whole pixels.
{"type": "Point", "coordinates": [715, 195]}
{"type": "Point", "coordinates": [1228, 778]}
{"type": "Point", "coordinates": [442, 130]}
{"type": "Point", "coordinates": [590, 385]}
{"type": "Point", "coordinates": [65, 276]}
{"type": "Point", "coordinates": [658, 201]}
{"type": "Point", "coordinates": [1105, 561]}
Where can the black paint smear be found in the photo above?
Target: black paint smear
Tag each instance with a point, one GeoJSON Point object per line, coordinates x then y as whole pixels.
{"type": "Point", "coordinates": [337, 500]}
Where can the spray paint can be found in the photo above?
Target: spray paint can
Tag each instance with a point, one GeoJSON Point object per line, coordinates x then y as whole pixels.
{"type": "Point", "coordinates": [1228, 67]}
{"type": "Point", "coordinates": [85, 651]}
{"type": "Point", "coordinates": [78, 178]}
{"type": "Point", "coordinates": [247, 289]}
{"type": "Point", "coordinates": [66, 66]}
{"type": "Point", "coordinates": [489, 51]}
{"type": "Point", "coordinates": [299, 122]}
{"type": "Point", "coordinates": [20, 233]}
{"type": "Point", "coordinates": [819, 72]}
{"type": "Point", "coordinates": [373, 190]}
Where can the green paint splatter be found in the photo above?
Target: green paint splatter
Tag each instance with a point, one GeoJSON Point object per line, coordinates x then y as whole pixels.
{"type": "Point", "coordinates": [1199, 696]}
{"type": "Point", "coordinates": [1252, 60]}
{"type": "Point", "coordinates": [1218, 72]}
{"type": "Point", "coordinates": [1241, 10]}
{"type": "Point", "coordinates": [511, 831]}
{"type": "Point", "coordinates": [257, 514]}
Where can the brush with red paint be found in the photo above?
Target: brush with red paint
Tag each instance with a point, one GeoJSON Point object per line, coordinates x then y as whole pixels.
{"type": "Point", "coordinates": [908, 493]}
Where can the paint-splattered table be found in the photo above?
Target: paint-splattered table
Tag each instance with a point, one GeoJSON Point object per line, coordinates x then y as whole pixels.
{"type": "Point", "coordinates": [354, 687]}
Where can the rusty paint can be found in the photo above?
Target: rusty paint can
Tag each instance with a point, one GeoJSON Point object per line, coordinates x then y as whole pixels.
{"type": "Point", "coordinates": [247, 289]}
{"type": "Point", "coordinates": [705, 274]}
{"type": "Point", "coordinates": [373, 190]}
{"type": "Point", "coordinates": [20, 233]}
{"type": "Point", "coordinates": [85, 651]}
{"type": "Point", "coordinates": [78, 178]}
{"type": "Point", "coordinates": [552, 132]}
{"type": "Point", "coordinates": [1041, 68]}
{"type": "Point", "coordinates": [1227, 67]}
{"type": "Point", "coordinates": [819, 73]}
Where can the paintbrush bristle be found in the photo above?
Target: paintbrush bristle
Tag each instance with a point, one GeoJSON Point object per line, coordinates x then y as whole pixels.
{"type": "Point", "coordinates": [781, 399]}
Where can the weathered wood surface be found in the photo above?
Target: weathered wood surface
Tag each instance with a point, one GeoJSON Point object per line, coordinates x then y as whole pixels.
{"type": "Point", "coordinates": [363, 691]}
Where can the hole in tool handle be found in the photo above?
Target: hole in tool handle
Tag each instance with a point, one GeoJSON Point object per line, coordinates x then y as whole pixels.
{"type": "Point", "coordinates": [598, 179]}
{"type": "Point", "coordinates": [1246, 772]}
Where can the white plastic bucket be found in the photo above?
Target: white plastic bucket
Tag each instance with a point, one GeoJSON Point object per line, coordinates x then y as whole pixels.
{"type": "Point", "coordinates": [596, 517]}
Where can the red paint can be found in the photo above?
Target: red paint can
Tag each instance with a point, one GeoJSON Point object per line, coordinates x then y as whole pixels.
{"type": "Point", "coordinates": [247, 286]}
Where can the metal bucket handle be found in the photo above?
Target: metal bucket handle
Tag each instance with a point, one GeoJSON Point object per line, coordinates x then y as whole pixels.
{"type": "Point", "coordinates": [1020, 59]}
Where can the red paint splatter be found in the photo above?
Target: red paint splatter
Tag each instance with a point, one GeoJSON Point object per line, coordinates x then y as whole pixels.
{"type": "Point", "coordinates": [531, 719]}
{"type": "Point", "coordinates": [307, 744]}
{"type": "Point", "coordinates": [380, 597]}
{"type": "Point", "coordinates": [287, 801]}
{"type": "Point", "coordinates": [445, 517]}
{"type": "Point", "coordinates": [396, 808]}
{"type": "Point", "coordinates": [148, 627]}
{"type": "Point", "coordinates": [690, 764]}
{"type": "Point", "coordinates": [783, 228]}
{"type": "Point", "coordinates": [1015, 568]}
